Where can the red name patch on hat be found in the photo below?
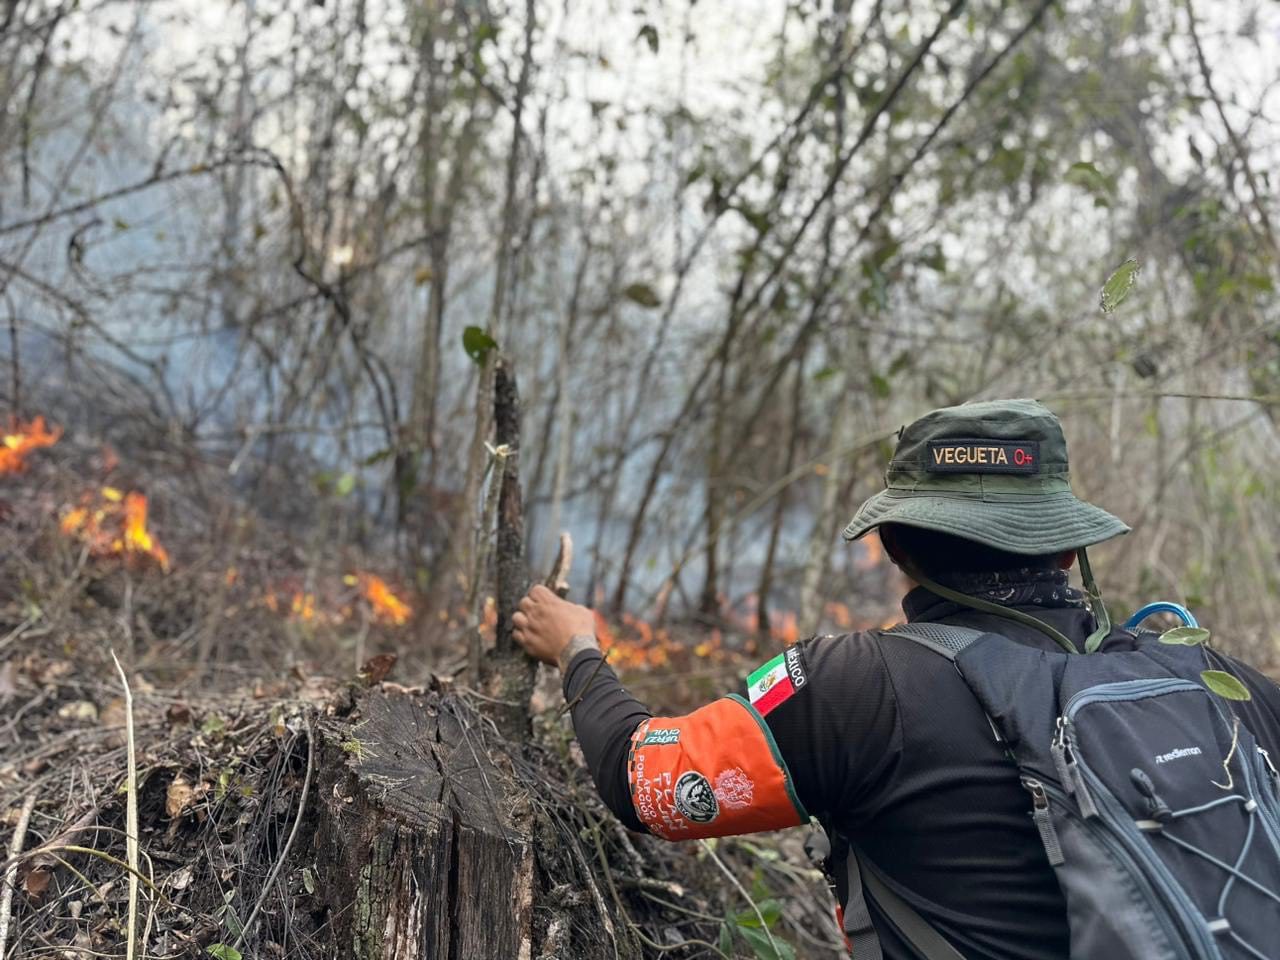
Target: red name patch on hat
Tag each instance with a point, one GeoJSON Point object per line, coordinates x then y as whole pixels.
{"type": "Point", "coordinates": [983, 456]}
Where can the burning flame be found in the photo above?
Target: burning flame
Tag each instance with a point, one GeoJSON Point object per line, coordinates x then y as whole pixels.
{"type": "Point", "coordinates": [637, 645]}
{"type": "Point", "coordinates": [136, 538]}
{"type": "Point", "coordinates": [115, 524]}
{"type": "Point", "coordinates": [303, 607]}
{"type": "Point", "coordinates": [318, 605]}
{"type": "Point", "coordinates": [21, 440]}
{"type": "Point", "coordinates": [387, 607]}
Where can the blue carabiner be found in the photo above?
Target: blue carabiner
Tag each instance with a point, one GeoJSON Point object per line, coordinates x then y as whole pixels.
{"type": "Point", "coordinates": [1162, 606]}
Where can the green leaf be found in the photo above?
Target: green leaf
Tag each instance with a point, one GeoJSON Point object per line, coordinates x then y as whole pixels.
{"type": "Point", "coordinates": [1119, 285]}
{"type": "Point", "coordinates": [223, 952]}
{"type": "Point", "coordinates": [643, 295]}
{"type": "Point", "coordinates": [763, 948]}
{"type": "Point", "coordinates": [375, 458]}
{"type": "Point", "coordinates": [1086, 175]}
{"type": "Point", "coordinates": [1187, 636]}
{"type": "Point", "coordinates": [880, 386]}
{"type": "Point", "coordinates": [649, 33]}
{"type": "Point", "coordinates": [213, 724]}
{"type": "Point", "coordinates": [769, 909]}
{"type": "Point", "coordinates": [1225, 685]}
{"type": "Point", "coordinates": [726, 940]}
{"type": "Point", "coordinates": [477, 343]}
{"type": "Point", "coordinates": [346, 483]}
{"type": "Point", "coordinates": [826, 373]}
{"type": "Point", "coordinates": [309, 879]}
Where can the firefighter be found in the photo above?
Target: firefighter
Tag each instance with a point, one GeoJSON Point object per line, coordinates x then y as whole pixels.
{"type": "Point", "coordinates": [875, 737]}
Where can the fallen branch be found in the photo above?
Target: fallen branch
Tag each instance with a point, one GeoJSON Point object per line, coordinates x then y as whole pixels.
{"type": "Point", "coordinates": [11, 875]}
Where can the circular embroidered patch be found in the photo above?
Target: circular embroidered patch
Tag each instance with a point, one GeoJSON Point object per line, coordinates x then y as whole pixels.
{"type": "Point", "coordinates": [695, 798]}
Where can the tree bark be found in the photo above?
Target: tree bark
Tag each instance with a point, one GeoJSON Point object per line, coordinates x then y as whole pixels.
{"type": "Point", "coordinates": [508, 676]}
{"type": "Point", "coordinates": [419, 836]}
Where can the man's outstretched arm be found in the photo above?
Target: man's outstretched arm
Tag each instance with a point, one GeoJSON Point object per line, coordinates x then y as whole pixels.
{"type": "Point", "coordinates": [714, 772]}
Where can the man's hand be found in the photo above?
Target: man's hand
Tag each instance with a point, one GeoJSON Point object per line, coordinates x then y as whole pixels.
{"type": "Point", "coordinates": [545, 624]}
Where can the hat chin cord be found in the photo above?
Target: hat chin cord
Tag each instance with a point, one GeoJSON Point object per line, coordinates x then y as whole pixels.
{"type": "Point", "coordinates": [1096, 605]}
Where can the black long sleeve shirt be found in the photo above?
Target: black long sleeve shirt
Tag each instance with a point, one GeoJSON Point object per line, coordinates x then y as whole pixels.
{"type": "Point", "coordinates": [886, 744]}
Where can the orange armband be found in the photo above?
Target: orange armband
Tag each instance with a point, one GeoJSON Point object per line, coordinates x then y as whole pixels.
{"type": "Point", "coordinates": [713, 773]}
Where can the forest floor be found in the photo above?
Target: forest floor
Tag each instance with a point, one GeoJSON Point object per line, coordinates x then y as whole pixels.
{"type": "Point", "coordinates": [237, 645]}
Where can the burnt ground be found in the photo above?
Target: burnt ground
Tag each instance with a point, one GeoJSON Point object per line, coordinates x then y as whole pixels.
{"type": "Point", "coordinates": [239, 683]}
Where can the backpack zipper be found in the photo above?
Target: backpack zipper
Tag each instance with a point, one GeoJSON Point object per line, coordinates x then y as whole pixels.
{"type": "Point", "coordinates": [1069, 772]}
{"type": "Point", "coordinates": [1118, 850]}
{"type": "Point", "coordinates": [1043, 820]}
{"type": "Point", "coordinates": [1127, 690]}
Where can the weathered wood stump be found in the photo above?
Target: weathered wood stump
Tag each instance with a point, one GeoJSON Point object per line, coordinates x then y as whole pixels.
{"type": "Point", "coordinates": [422, 844]}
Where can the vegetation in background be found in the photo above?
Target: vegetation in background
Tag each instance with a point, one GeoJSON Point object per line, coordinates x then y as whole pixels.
{"type": "Point", "coordinates": [729, 249]}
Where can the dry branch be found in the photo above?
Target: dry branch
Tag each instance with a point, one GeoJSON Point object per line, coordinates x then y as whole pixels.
{"type": "Point", "coordinates": [558, 578]}
{"type": "Point", "coordinates": [11, 874]}
{"type": "Point", "coordinates": [131, 815]}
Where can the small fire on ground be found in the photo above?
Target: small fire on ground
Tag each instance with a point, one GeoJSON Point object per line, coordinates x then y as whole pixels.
{"type": "Point", "coordinates": [112, 522]}
{"type": "Point", "coordinates": [21, 439]}
{"type": "Point", "coordinates": [381, 604]}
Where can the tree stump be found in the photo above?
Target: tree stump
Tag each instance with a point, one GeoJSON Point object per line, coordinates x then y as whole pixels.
{"type": "Point", "coordinates": [422, 845]}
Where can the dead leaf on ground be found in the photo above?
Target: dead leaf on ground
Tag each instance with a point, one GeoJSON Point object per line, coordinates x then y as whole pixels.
{"type": "Point", "coordinates": [180, 879]}
{"type": "Point", "coordinates": [182, 796]}
{"type": "Point", "coordinates": [35, 880]}
{"type": "Point", "coordinates": [41, 670]}
{"type": "Point", "coordinates": [81, 711]}
{"type": "Point", "coordinates": [376, 669]}
{"type": "Point", "coordinates": [178, 713]}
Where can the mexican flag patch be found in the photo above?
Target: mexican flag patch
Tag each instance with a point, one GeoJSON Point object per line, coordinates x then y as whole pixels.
{"type": "Point", "coordinates": [777, 681]}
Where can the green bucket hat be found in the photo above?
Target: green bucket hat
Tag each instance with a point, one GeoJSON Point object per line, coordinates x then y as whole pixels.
{"type": "Point", "coordinates": [994, 472]}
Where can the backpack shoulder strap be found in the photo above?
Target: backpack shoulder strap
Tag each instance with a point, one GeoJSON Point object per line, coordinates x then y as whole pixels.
{"type": "Point", "coordinates": [942, 638]}
{"type": "Point", "coordinates": [866, 883]}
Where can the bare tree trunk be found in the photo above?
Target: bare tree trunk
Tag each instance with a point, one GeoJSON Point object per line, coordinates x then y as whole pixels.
{"type": "Point", "coordinates": [509, 674]}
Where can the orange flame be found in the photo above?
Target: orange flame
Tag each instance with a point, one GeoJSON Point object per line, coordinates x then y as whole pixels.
{"type": "Point", "coordinates": [136, 537]}
{"type": "Point", "coordinates": [387, 607]}
{"type": "Point", "coordinates": [115, 524]}
{"type": "Point", "coordinates": [21, 440]}
{"type": "Point", "coordinates": [303, 607]}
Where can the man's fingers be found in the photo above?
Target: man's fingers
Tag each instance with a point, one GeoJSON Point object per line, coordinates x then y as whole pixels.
{"type": "Point", "coordinates": [520, 620]}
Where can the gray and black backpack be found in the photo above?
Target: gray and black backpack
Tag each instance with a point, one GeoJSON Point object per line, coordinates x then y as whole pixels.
{"type": "Point", "coordinates": [1157, 808]}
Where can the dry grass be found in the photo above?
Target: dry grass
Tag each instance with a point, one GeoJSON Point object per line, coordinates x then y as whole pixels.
{"type": "Point", "coordinates": [175, 817]}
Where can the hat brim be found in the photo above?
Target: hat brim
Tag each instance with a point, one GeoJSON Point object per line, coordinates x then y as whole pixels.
{"type": "Point", "coordinates": [1022, 525]}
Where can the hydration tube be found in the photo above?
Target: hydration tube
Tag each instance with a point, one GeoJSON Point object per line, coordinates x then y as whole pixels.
{"type": "Point", "coordinates": [1162, 606]}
